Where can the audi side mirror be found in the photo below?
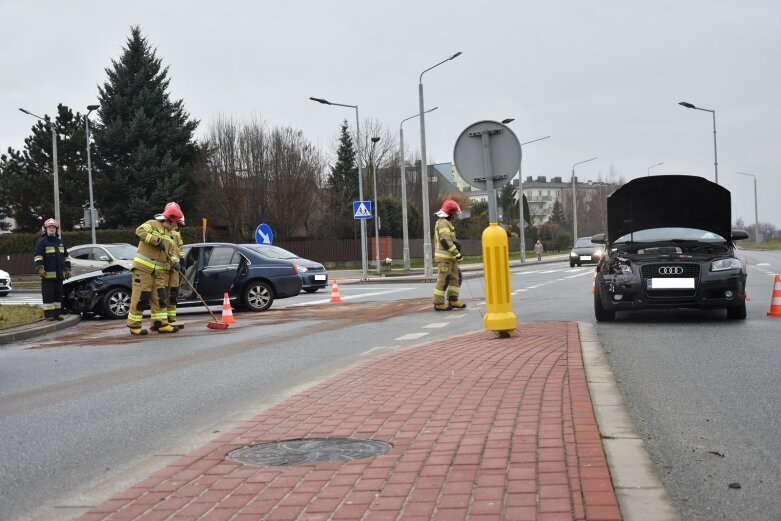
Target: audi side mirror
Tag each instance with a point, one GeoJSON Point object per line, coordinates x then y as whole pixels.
{"type": "Point", "coordinates": [739, 235]}
{"type": "Point", "coordinates": [598, 238]}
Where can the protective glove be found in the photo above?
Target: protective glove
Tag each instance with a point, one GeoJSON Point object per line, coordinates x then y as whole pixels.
{"type": "Point", "coordinates": [458, 244]}
{"type": "Point", "coordinates": [67, 273]}
{"type": "Point", "coordinates": [459, 257]}
{"type": "Point", "coordinates": [176, 266]}
{"type": "Point", "coordinates": [41, 272]}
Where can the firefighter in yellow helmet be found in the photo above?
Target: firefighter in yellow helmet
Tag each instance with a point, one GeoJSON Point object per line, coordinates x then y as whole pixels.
{"type": "Point", "coordinates": [155, 257]}
{"type": "Point", "coordinates": [53, 266]}
{"type": "Point", "coordinates": [447, 256]}
{"type": "Point", "coordinates": [174, 274]}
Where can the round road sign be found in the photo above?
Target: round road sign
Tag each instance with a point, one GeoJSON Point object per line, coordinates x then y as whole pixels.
{"type": "Point", "coordinates": [504, 149]}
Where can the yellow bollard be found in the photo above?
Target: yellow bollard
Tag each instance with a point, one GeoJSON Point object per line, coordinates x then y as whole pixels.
{"type": "Point", "coordinates": [496, 268]}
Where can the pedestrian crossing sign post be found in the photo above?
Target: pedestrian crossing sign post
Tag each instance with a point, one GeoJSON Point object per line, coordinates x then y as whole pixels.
{"type": "Point", "coordinates": [362, 209]}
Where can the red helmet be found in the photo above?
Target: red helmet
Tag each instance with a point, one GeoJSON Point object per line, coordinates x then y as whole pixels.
{"type": "Point", "coordinates": [173, 214]}
{"type": "Point", "coordinates": [174, 205]}
{"type": "Point", "coordinates": [449, 209]}
{"type": "Point", "coordinates": [51, 222]}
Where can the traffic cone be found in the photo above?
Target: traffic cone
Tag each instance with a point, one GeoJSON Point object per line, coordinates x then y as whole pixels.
{"type": "Point", "coordinates": [775, 299]}
{"type": "Point", "coordinates": [227, 312]}
{"type": "Point", "coordinates": [594, 282]}
{"type": "Point", "coordinates": [335, 292]}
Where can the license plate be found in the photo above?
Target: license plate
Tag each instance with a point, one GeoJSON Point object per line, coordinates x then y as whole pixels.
{"type": "Point", "coordinates": [319, 277]}
{"type": "Point", "coordinates": [585, 257]}
{"type": "Point", "coordinates": [671, 283]}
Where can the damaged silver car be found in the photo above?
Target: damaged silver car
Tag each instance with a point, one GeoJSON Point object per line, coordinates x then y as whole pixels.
{"type": "Point", "coordinates": [669, 245]}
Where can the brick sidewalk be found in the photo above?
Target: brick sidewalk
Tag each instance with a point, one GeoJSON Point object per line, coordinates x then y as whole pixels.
{"type": "Point", "coordinates": [481, 428]}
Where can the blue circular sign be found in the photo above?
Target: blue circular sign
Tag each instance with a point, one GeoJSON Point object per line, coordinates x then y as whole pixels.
{"type": "Point", "coordinates": [263, 234]}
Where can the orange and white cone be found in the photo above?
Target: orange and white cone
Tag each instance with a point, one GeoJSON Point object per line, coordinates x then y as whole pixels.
{"type": "Point", "coordinates": [335, 292]}
{"type": "Point", "coordinates": [775, 299]}
{"type": "Point", "coordinates": [594, 282]}
{"type": "Point", "coordinates": [227, 312]}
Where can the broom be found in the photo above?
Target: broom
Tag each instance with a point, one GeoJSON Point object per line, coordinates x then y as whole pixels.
{"type": "Point", "coordinates": [216, 324]}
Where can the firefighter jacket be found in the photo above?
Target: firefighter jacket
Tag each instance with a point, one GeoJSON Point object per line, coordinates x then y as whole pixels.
{"type": "Point", "coordinates": [178, 244]}
{"type": "Point", "coordinates": [150, 257]}
{"type": "Point", "coordinates": [445, 239]}
{"type": "Point", "coordinates": [51, 255]}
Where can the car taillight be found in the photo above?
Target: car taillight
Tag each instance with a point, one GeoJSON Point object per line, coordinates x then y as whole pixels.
{"type": "Point", "coordinates": [295, 267]}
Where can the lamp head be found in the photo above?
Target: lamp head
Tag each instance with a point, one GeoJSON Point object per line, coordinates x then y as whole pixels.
{"type": "Point", "coordinates": [507, 120]}
{"type": "Point", "coordinates": [375, 139]}
{"type": "Point", "coordinates": [456, 55]}
{"type": "Point", "coordinates": [687, 105]}
{"type": "Point", "coordinates": [93, 107]}
{"type": "Point", "coordinates": [321, 100]}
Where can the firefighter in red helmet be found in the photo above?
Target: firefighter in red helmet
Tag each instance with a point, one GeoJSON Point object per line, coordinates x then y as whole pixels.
{"type": "Point", "coordinates": [174, 274]}
{"type": "Point", "coordinates": [447, 255]}
{"type": "Point", "coordinates": [155, 257]}
{"type": "Point", "coordinates": [53, 265]}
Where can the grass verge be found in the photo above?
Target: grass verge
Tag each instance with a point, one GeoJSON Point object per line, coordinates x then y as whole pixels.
{"type": "Point", "coordinates": [17, 315]}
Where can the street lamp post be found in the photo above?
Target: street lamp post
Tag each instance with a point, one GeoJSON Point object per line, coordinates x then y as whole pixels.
{"type": "Point", "coordinates": [90, 108]}
{"type": "Point", "coordinates": [404, 218]}
{"type": "Point", "coordinates": [54, 167]}
{"type": "Point", "coordinates": [575, 201]}
{"type": "Point", "coordinates": [376, 208]}
{"type": "Point", "coordinates": [522, 221]}
{"type": "Point", "coordinates": [715, 156]}
{"type": "Point", "coordinates": [648, 172]}
{"type": "Point", "coordinates": [364, 261]}
{"type": "Point", "coordinates": [756, 214]}
{"type": "Point", "coordinates": [427, 265]}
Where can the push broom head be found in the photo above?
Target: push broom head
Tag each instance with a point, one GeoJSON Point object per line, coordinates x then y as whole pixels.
{"type": "Point", "coordinates": [217, 325]}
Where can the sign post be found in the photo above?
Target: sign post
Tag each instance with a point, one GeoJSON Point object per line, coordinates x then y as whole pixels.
{"type": "Point", "coordinates": [487, 155]}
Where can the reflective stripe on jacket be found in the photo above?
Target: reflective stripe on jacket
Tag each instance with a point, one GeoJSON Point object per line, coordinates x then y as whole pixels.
{"type": "Point", "coordinates": [445, 231]}
{"type": "Point", "coordinates": [149, 257]}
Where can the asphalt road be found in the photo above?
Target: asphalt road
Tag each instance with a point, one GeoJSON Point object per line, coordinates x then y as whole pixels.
{"type": "Point", "coordinates": [89, 412]}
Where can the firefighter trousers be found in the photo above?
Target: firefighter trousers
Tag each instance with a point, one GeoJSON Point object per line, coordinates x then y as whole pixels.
{"type": "Point", "coordinates": [148, 292]}
{"type": "Point", "coordinates": [172, 285]}
{"type": "Point", "coordinates": [51, 295]}
{"type": "Point", "coordinates": [448, 284]}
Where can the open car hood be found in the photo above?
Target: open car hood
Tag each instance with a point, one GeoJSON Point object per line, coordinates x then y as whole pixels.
{"type": "Point", "coordinates": [666, 201]}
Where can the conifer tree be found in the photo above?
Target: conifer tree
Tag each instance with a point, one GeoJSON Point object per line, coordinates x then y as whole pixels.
{"type": "Point", "coordinates": [144, 140]}
{"type": "Point", "coordinates": [343, 187]}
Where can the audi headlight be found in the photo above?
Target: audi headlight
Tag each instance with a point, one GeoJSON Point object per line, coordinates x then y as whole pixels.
{"type": "Point", "coordinates": [302, 269]}
{"type": "Point", "coordinates": [725, 264]}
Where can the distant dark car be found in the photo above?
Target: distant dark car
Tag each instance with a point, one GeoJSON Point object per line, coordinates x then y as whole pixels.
{"type": "Point", "coordinates": [670, 245]}
{"type": "Point", "coordinates": [251, 280]}
{"type": "Point", "coordinates": [313, 274]}
{"type": "Point", "coordinates": [585, 252]}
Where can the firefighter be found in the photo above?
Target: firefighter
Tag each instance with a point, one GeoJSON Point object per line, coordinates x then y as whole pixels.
{"type": "Point", "coordinates": [173, 275]}
{"type": "Point", "coordinates": [447, 256]}
{"type": "Point", "coordinates": [53, 265]}
{"type": "Point", "coordinates": [155, 257]}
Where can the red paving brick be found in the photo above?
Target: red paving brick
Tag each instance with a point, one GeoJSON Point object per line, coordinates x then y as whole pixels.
{"type": "Point", "coordinates": [481, 427]}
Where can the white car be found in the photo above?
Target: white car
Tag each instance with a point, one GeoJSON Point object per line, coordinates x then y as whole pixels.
{"type": "Point", "coordinates": [5, 283]}
{"type": "Point", "coordinates": [93, 257]}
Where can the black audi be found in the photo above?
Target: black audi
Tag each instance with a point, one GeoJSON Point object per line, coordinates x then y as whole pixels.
{"type": "Point", "coordinates": [669, 245]}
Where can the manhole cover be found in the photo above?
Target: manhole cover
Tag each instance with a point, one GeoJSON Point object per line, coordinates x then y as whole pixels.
{"type": "Point", "coordinates": [299, 452]}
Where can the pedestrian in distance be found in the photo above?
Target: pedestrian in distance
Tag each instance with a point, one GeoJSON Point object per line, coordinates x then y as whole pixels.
{"type": "Point", "coordinates": [53, 265]}
{"type": "Point", "coordinates": [447, 256]}
{"type": "Point", "coordinates": [172, 285]}
{"type": "Point", "coordinates": [155, 257]}
{"type": "Point", "coordinates": [538, 249]}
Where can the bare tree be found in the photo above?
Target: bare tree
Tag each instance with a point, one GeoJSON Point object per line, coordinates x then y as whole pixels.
{"type": "Point", "coordinates": [251, 174]}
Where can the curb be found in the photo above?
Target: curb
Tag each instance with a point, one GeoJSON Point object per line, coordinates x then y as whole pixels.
{"type": "Point", "coordinates": [37, 328]}
{"type": "Point", "coordinates": [641, 494]}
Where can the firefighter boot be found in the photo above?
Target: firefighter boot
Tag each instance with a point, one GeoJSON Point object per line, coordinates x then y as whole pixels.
{"type": "Point", "coordinates": [168, 328]}
{"type": "Point", "coordinates": [443, 307]}
{"type": "Point", "coordinates": [455, 303]}
{"type": "Point", "coordinates": [138, 331]}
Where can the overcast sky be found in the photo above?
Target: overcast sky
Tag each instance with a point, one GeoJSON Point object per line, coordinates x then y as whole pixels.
{"type": "Point", "coordinates": [602, 77]}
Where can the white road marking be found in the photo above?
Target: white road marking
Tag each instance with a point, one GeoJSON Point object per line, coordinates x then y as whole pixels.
{"type": "Point", "coordinates": [379, 348]}
{"type": "Point", "coordinates": [436, 325]}
{"type": "Point", "coordinates": [411, 336]}
{"type": "Point", "coordinates": [346, 297]}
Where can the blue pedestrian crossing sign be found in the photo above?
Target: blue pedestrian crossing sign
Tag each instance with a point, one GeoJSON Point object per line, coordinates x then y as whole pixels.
{"type": "Point", "coordinates": [263, 234]}
{"type": "Point", "coordinates": [362, 209]}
